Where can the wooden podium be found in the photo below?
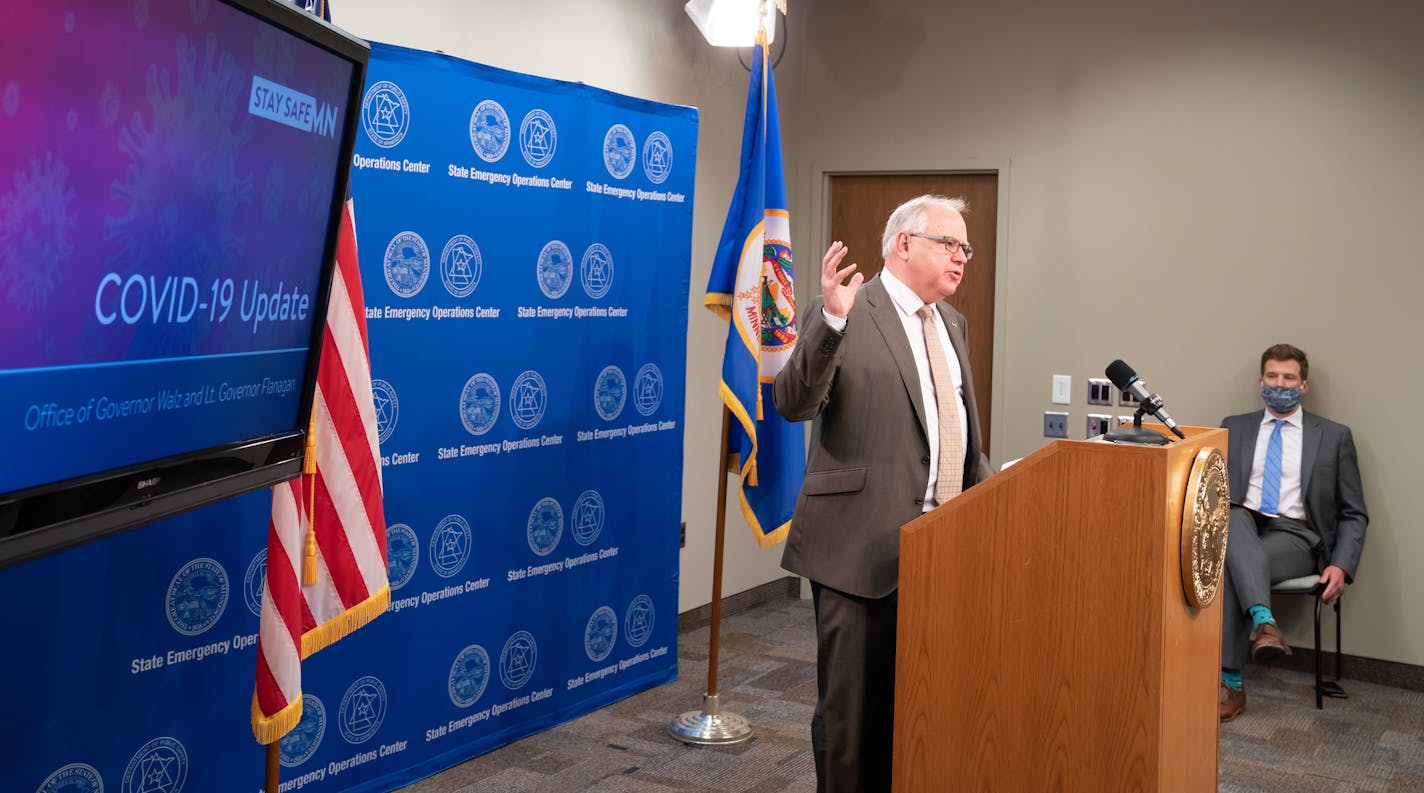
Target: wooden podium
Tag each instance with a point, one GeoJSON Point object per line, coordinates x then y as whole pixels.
{"type": "Point", "coordinates": [1045, 641]}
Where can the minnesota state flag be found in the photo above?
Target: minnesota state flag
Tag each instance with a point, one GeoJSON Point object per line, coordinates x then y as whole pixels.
{"type": "Point", "coordinates": [751, 287]}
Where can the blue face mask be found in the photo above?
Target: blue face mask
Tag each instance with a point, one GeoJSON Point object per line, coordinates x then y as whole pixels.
{"type": "Point", "coordinates": [1280, 398]}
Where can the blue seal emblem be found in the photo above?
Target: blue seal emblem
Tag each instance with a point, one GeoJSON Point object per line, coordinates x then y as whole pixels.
{"type": "Point", "coordinates": [402, 554]}
{"type": "Point", "coordinates": [460, 266]}
{"type": "Point", "coordinates": [648, 389]}
{"type": "Point", "coordinates": [362, 710]}
{"type": "Point", "coordinates": [638, 621]}
{"type": "Point", "coordinates": [596, 270]}
{"type": "Point", "coordinates": [587, 519]}
{"type": "Point", "coordinates": [385, 114]}
{"type": "Point", "coordinates": [600, 633]}
{"type": "Point", "coordinates": [450, 545]}
{"type": "Point", "coordinates": [254, 581]}
{"type": "Point", "coordinates": [407, 264]}
{"type": "Point", "coordinates": [468, 676]}
{"type": "Point", "coordinates": [538, 137]}
{"type": "Point", "coordinates": [609, 392]}
{"type": "Point", "coordinates": [527, 399]}
{"type": "Point", "coordinates": [383, 394]}
{"type": "Point", "coordinates": [479, 404]}
{"type": "Point", "coordinates": [197, 596]}
{"type": "Point", "coordinates": [159, 766]}
{"type": "Point", "coordinates": [620, 150]}
{"type": "Point", "coordinates": [545, 527]}
{"type": "Point", "coordinates": [297, 746]}
{"type": "Point", "coordinates": [517, 660]}
{"type": "Point", "coordinates": [489, 130]}
{"type": "Point", "coordinates": [555, 270]}
{"type": "Point", "coordinates": [657, 157]}
{"type": "Point", "coordinates": [73, 778]}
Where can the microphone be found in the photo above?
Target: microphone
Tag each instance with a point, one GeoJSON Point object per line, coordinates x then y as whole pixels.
{"type": "Point", "coordinates": [1125, 379]}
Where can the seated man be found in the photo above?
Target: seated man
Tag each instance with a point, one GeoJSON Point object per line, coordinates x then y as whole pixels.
{"type": "Point", "coordinates": [1297, 508]}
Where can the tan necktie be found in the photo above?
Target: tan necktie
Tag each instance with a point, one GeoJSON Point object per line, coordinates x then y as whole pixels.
{"type": "Point", "coordinates": [949, 480]}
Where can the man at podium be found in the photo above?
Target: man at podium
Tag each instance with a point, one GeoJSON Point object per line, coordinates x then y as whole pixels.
{"type": "Point", "coordinates": [1297, 509]}
{"type": "Point", "coordinates": [883, 369]}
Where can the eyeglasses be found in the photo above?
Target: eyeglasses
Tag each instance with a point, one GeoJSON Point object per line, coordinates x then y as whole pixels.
{"type": "Point", "coordinates": [950, 244]}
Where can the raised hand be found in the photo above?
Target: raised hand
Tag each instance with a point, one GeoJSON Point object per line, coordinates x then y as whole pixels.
{"type": "Point", "coordinates": [839, 296]}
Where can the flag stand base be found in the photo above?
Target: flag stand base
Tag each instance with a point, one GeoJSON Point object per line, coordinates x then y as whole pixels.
{"type": "Point", "coordinates": [710, 726]}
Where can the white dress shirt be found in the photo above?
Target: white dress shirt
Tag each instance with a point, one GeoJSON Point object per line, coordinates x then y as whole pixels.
{"type": "Point", "coordinates": [1292, 501]}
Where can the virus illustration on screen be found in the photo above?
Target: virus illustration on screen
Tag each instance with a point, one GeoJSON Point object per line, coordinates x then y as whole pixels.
{"type": "Point", "coordinates": [181, 187]}
{"type": "Point", "coordinates": [36, 222]}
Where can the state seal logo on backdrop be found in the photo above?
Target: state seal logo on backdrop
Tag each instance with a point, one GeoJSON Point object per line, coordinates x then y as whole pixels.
{"type": "Point", "coordinates": [587, 520]}
{"type": "Point", "coordinates": [479, 404]}
{"type": "Point", "coordinates": [297, 746]}
{"type": "Point", "coordinates": [538, 138]}
{"type": "Point", "coordinates": [385, 114]}
{"type": "Point", "coordinates": [73, 778]}
{"type": "Point", "coordinates": [489, 130]}
{"type": "Point", "coordinates": [610, 390]}
{"type": "Point", "coordinates": [460, 266]}
{"type": "Point", "coordinates": [517, 660]}
{"type": "Point", "coordinates": [468, 676]}
{"type": "Point", "coordinates": [362, 710]}
{"type": "Point", "coordinates": [407, 264]}
{"type": "Point", "coordinates": [638, 621]}
{"type": "Point", "coordinates": [450, 545]}
{"type": "Point", "coordinates": [620, 151]}
{"type": "Point", "coordinates": [527, 399]}
{"type": "Point", "coordinates": [596, 270]}
{"type": "Point", "coordinates": [600, 634]}
{"type": "Point", "coordinates": [383, 394]}
{"type": "Point", "coordinates": [197, 596]}
{"type": "Point", "coordinates": [545, 527]}
{"type": "Point", "coordinates": [253, 582]}
{"type": "Point", "coordinates": [648, 389]}
{"type": "Point", "coordinates": [555, 269]}
{"type": "Point", "coordinates": [402, 554]}
{"type": "Point", "coordinates": [657, 157]}
{"type": "Point", "coordinates": [159, 766]}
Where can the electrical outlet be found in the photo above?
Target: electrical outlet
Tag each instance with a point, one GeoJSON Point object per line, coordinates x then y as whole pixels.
{"type": "Point", "coordinates": [1098, 424]}
{"type": "Point", "coordinates": [1122, 421]}
{"type": "Point", "coordinates": [1055, 424]}
{"type": "Point", "coordinates": [1126, 399]}
{"type": "Point", "coordinates": [1099, 391]}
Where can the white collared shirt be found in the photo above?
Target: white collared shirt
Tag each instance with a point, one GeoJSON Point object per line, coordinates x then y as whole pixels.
{"type": "Point", "coordinates": [1292, 500]}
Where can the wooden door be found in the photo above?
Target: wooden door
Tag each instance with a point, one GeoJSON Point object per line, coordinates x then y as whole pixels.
{"type": "Point", "coordinates": [860, 205]}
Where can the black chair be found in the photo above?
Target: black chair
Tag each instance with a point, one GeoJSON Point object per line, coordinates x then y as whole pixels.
{"type": "Point", "coordinates": [1310, 585]}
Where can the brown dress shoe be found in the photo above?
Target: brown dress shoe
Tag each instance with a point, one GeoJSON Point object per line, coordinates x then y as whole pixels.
{"type": "Point", "coordinates": [1268, 644]}
{"type": "Point", "coordinates": [1232, 702]}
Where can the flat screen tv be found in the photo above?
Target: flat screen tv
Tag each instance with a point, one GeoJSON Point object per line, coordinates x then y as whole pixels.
{"type": "Point", "coordinates": [171, 186]}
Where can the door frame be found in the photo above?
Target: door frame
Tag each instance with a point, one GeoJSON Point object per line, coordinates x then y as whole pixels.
{"type": "Point", "coordinates": [808, 280]}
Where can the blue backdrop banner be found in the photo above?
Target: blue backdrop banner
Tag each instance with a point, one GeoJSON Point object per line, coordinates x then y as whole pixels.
{"type": "Point", "coordinates": [525, 251]}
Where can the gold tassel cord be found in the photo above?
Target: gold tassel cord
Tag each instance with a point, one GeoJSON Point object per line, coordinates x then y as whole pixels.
{"type": "Point", "coordinates": [309, 471]}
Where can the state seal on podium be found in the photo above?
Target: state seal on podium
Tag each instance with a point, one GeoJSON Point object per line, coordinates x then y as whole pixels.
{"type": "Point", "coordinates": [1206, 515]}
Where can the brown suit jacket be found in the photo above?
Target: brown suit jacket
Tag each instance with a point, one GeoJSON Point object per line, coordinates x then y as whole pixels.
{"type": "Point", "coordinates": [869, 456]}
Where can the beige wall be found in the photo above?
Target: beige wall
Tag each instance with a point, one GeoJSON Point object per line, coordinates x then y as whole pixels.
{"type": "Point", "coordinates": [1232, 174]}
{"type": "Point", "coordinates": [1182, 188]}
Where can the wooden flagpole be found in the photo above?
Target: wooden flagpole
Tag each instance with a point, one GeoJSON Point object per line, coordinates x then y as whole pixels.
{"type": "Point", "coordinates": [710, 726]}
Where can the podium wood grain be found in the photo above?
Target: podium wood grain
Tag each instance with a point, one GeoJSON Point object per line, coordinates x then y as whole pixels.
{"type": "Point", "coordinates": [1044, 640]}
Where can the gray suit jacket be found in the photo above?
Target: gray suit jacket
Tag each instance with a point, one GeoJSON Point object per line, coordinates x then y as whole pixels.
{"type": "Point", "coordinates": [869, 457]}
{"type": "Point", "coordinates": [1330, 482]}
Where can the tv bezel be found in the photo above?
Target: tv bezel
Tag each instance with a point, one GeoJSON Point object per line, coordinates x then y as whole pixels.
{"type": "Point", "coordinates": [55, 516]}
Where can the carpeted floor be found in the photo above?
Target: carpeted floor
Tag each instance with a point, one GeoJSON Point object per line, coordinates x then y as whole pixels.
{"type": "Point", "coordinates": [1373, 741]}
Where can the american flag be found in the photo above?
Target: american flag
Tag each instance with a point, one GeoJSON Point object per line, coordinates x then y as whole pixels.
{"type": "Point", "coordinates": [342, 499]}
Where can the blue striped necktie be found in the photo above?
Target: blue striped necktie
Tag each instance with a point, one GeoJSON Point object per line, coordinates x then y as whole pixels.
{"type": "Point", "coordinates": [1271, 477]}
